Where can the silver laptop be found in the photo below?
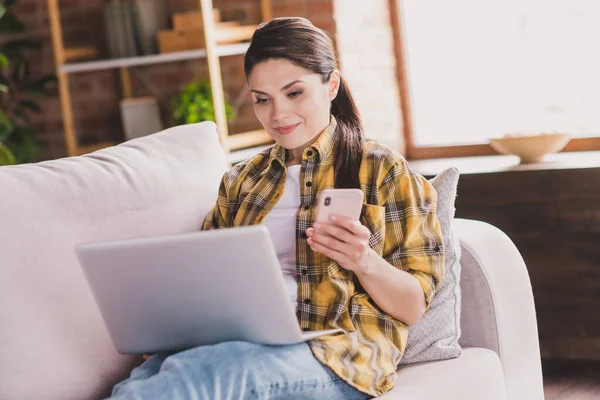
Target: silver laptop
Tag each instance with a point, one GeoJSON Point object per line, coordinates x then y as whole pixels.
{"type": "Point", "coordinates": [176, 292]}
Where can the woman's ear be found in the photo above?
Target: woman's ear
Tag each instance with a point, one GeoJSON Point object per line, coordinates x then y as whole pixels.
{"type": "Point", "coordinates": [334, 84]}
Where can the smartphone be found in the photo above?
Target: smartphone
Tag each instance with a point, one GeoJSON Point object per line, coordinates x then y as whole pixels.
{"type": "Point", "coordinates": [344, 202]}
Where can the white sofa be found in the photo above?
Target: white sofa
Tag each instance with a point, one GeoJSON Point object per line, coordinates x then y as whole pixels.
{"type": "Point", "coordinates": [54, 343]}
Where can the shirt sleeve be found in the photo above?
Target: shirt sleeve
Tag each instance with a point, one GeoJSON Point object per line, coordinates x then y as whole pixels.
{"type": "Point", "coordinates": [413, 236]}
{"type": "Point", "coordinates": [220, 215]}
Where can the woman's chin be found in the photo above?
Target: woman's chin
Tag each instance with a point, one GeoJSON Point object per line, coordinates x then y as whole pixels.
{"type": "Point", "coordinates": [287, 143]}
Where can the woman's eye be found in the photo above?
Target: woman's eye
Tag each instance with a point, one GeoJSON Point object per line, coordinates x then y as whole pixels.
{"type": "Point", "coordinates": [260, 101]}
{"type": "Point", "coordinates": [295, 94]}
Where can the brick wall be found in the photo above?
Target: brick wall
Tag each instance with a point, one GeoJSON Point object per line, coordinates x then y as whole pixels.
{"type": "Point", "coordinates": [96, 95]}
{"type": "Point", "coordinates": [366, 51]}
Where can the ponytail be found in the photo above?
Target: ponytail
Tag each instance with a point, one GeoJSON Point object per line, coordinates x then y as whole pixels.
{"type": "Point", "coordinates": [350, 139]}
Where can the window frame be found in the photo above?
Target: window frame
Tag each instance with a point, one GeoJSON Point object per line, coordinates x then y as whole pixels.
{"type": "Point", "coordinates": [415, 152]}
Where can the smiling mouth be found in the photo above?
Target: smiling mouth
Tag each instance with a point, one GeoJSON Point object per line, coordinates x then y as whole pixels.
{"type": "Point", "coordinates": [286, 130]}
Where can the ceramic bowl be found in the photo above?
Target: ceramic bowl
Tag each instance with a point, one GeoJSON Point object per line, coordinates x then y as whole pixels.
{"type": "Point", "coordinates": [531, 148]}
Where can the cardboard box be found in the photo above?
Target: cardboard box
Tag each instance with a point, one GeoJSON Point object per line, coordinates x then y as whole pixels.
{"type": "Point", "coordinates": [234, 34]}
{"type": "Point", "coordinates": [192, 20]}
{"type": "Point", "coordinates": [171, 41]}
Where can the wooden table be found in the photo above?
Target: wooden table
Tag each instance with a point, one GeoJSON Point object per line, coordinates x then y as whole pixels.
{"type": "Point", "coordinates": [551, 211]}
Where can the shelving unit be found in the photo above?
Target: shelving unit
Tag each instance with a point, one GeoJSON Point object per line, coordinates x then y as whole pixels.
{"type": "Point", "coordinates": [213, 52]}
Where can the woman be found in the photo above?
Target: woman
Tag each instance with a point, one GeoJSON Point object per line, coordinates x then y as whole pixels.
{"type": "Point", "coordinates": [371, 278]}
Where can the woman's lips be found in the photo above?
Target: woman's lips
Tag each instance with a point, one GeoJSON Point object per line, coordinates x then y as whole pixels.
{"type": "Point", "coordinates": [286, 130]}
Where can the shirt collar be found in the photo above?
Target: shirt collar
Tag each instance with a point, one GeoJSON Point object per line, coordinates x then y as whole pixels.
{"type": "Point", "coordinates": [323, 145]}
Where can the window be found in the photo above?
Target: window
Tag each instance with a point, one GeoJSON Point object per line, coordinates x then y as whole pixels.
{"type": "Point", "coordinates": [479, 69]}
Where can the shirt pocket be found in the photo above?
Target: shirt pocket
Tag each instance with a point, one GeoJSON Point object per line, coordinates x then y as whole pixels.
{"type": "Point", "coordinates": [373, 217]}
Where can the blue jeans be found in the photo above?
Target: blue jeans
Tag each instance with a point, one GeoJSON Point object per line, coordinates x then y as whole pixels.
{"type": "Point", "coordinates": [235, 370]}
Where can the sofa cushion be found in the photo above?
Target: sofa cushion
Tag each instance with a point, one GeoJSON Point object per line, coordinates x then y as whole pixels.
{"type": "Point", "coordinates": [476, 374]}
{"type": "Point", "coordinates": [435, 336]}
{"type": "Point", "coordinates": [54, 342]}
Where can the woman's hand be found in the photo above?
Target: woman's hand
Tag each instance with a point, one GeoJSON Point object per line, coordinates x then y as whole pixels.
{"type": "Point", "coordinates": [343, 240]}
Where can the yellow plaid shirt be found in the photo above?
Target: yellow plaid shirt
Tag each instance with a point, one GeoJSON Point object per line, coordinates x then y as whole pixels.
{"type": "Point", "coordinates": [399, 210]}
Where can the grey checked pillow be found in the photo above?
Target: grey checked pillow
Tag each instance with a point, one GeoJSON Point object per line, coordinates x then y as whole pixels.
{"type": "Point", "coordinates": [435, 336]}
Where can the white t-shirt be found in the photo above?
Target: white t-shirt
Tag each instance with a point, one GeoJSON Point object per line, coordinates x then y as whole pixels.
{"type": "Point", "coordinates": [281, 222]}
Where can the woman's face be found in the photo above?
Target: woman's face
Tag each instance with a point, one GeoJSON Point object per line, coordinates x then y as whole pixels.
{"type": "Point", "coordinates": [291, 103]}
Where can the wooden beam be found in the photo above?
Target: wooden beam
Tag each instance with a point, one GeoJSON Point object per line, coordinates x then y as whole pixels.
{"type": "Point", "coordinates": [401, 76]}
{"type": "Point", "coordinates": [67, 113]}
{"type": "Point", "coordinates": [63, 79]}
{"type": "Point", "coordinates": [430, 152]}
{"type": "Point", "coordinates": [80, 52]}
{"type": "Point", "coordinates": [93, 147]}
{"type": "Point", "coordinates": [214, 70]}
{"type": "Point", "coordinates": [126, 86]}
{"type": "Point", "coordinates": [56, 31]}
{"type": "Point", "coordinates": [266, 10]}
{"type": "Point", "coordinates": [420, 153]}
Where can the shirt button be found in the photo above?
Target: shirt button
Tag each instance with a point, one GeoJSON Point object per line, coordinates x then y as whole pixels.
{"type": "Point", "coordinates": [306, 301]}
{"type": "Point", "coordinates": [309, 153]}
{"type": "Point", "coordinates": [306, 208]}
{"type": "Point", "coordinates": [308, 184]}
{"type": "Point", "coordinates": [436, 248]}
{"type": "Point", "coordinates": [303, 235]}
{"type": "Point", "coordinates": [304, 271]}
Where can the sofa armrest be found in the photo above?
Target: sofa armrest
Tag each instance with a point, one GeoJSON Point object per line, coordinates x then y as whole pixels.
{"type": "Point", "coordinates": [498, 311]}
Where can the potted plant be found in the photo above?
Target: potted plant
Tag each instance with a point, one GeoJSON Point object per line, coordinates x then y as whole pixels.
{"type": "Point", "coordinates": [18, 93]}
{"type": "Point", "coordinates": [195, 104]}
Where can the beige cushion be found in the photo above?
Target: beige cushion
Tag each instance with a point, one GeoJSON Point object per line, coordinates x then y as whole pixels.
{"type": "Point", "coordinates": [476, 374]}
{"type": "Point", "coordinates": [435, 336]}
{"type": "Point", "coordinates": [53, 340]}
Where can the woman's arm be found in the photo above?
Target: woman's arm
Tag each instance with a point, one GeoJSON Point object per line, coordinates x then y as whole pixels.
{"type": "Point", "coordinates": [220, 215]}
{"type": "Point", "coordinates": [395, 291]}
{"type": "Point", "coordinates": [407, 243]}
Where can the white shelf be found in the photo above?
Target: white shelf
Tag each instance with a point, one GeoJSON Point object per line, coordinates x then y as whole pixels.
{"type": "Point", "coordinates": [222, 50]}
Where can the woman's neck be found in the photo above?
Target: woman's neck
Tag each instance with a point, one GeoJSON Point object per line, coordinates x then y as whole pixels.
{"type": "Point", "coordinates": [295, 161]}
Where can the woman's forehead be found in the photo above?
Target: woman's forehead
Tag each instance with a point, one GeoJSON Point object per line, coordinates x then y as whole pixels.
{"type": "Point", "coordinates": [276, 73]}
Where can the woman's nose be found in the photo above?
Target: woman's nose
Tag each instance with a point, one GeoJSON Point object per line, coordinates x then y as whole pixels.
{"type": "Point", "coordinates": [279, 111]}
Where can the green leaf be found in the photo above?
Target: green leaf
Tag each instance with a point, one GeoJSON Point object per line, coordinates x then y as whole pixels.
{"type": "Point", "coordinates": [22, 116]}
{"type": "Point", "coordinates": [6, 126]}
{"type": "Point", "coordinates": [6, 156]}
{"type": "Point", "coordinates": [30, 105]}
{"type": "Point", "coordinates": [9, 23]}
{"type": "Point", "coordinates": [34, 92]}
{"type": "Point", "coordinates": [3, 60]}
{"type": "Point", "coordinates": [24, 145]}
{"type": "Point", "coordinates": [4, 80]}
{"type": "Point", "coordinates": [20, 69]}
{"type": "Point", "coordinates": [195, 104]}
{"type": "Point", "coordinates": [3, 88]}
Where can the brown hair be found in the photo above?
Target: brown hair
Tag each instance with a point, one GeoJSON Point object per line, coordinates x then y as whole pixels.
{"type": "Point", "coordinates": [300, 42]}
